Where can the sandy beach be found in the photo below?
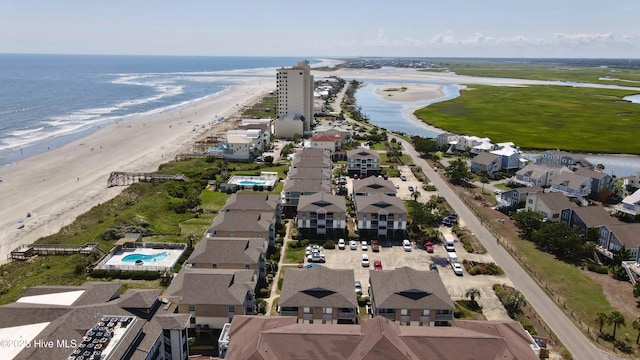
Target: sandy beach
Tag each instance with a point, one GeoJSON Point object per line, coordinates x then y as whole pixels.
{"type": "Point", "coordinates": [57, 186]}
{"type": "Point", "coordinates": [409, 92]}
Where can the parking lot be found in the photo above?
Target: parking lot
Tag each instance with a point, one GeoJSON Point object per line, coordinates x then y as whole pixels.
{"type": "Point", "coordinates": [395, 257]}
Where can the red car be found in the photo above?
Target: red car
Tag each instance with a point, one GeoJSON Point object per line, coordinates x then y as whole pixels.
{"type": "Point", "coordinates": [428, 246]}
{"type": "Point", "coordinates": [375, 247]}
{"type": "Point", "coordinates": [377, 265]}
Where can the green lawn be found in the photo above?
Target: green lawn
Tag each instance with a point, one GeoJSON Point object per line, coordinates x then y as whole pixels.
{"type": "Point", "coordinates": [543, 117]}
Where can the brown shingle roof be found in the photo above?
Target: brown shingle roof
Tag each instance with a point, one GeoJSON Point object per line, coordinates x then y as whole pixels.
{"type": "Point", "coordinates": [485, 158]}
{"type": "Point", "coordinates": [373, 184]}
{"type": "Point", "coordinates": [594, 216]}
{"type": "Point", "coordinates": [212, 286]}
{"type": "Point", "coordinates": [307, 186]}
{"type": "Point", "coordinates": [252, 202]}
{"type": "Point", "coordinates": [556, 201]}
{"type": "Point", "coordinates": [309, 173]}
{"type": "Point", "coordinates": [231, 221]}
{"type": "Point", "coordinates": [377, 203]}
{"type": "Point", "coordinates": [322, 201]}
{"type": "Point", "coordinates": [228, 250]}
{"type": "Point", "coordinates": [318, 287]}
{"type": "Point", "coordinates": [627, 234]}
{"type": "Point", "coordinates": [407, 288]}
{"type": "Point", "coordinates": [267, 337]}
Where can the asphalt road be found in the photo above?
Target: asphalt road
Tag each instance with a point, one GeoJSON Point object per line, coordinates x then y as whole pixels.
{"type": "Point", "coordinates": [572, 338]}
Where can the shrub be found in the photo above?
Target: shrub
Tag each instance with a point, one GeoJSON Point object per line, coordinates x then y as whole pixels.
{"type": "Point", "coordinates": [264, 293]}
{"type": "Point", "coordinates": [304, 243]}
{"type": "Point", "coordinates": [474, 271]}
{"type": "Point", "coordinates": [275, 256]}
{"type": "Point", "coordinates": [270, 278]}
{"type": "Point", "coordinates": [598, 269]}
{"type": "Point", "coordinates": [363, 300]}
{"type": "Point", "coordinates": [329, 244]}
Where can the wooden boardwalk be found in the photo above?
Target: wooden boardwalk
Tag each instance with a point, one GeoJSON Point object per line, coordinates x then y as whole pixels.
{"type": "Point", "coordinates": [26, 251]}
{"type": "Point", "coordinates": [120, 178]}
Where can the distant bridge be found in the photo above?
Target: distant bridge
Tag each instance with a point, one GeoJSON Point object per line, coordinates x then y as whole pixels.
{"type": "Point", "coordinates": [119, 178]}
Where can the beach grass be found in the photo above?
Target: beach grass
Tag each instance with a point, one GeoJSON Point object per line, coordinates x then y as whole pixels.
{"type": "Point", "coordinates": [543, 117]}
{"type": "Point", "coordinates": [541, 71]}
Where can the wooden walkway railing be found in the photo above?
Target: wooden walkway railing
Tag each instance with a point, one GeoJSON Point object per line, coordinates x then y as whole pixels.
{"type": "Point", "coordinates": [120, 178]}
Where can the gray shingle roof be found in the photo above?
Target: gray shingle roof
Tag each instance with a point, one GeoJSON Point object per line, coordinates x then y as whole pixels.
{"type": "Point", "coordinates": [252, 202]}
{"type": "Point", "coordinates": [373, 184]}
{"type": "Point", "coordinates": [307, 186]}
{"type": "Point", "coordinates": [485, 158]}
{"type": "Point", "coordinates": [212, 286]}
{"type": "Point", "coordinates": [377, 203]}
{"type": "Point", "coordinates": [555, 201]}
{"type": "Point", "coordinates": [309, 173]}
{"type": "Point", "coordinates": [362, 153]}
{"type": "Point", "coordinates": [322, 201]}
{"type": "Point", "coordinates": [231, 221]}
{"type": "Point", "coordinates": [228, 250]}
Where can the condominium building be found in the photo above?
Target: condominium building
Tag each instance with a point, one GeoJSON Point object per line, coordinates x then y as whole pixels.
{"type": "Point", "coordinates": [295, 92]}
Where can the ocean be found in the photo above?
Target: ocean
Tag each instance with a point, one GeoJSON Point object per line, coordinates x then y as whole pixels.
{"type": "Point", "coordinates": [47, 101]}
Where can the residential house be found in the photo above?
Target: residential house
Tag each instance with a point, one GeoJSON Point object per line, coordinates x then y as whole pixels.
{"type": "Point", "coordinates": [137, 324]}
{"type": "Point", "coordinates": [241, 145]}
{"type": "Point", "coordinates": [287, 126]}
{"type": "Point", "coordinates": [230, 253]}
{"type": "Point", "coordinates": [446, 139]}
{"type": "Point", "coordinates": [244, 225]}
{"type": "Point", "coordinates": [513, 197]}
{"type": "Point", "coordinates": [363, 162]}
{"type": "Point", "coordinates": [630, 205]}
{"type": "Point", "coordinates": [322, 215]}
{"type": "Point", "coordinates": [319, 295]}
{"type": "Point", "coordinates": [631, 183]}
{"type": "Point", "coordinates": [213, 296]}
{"type": "Point", "coordinates": [571, 185]}
{"type": "Point", "coordinates": [373, 185]}
{"type": "Point", "coordinates": [614, 237]}
{"type": "Point", "coordinates": [381, 216]}
{"type": "Point", "coordinates": [410, 297]}
{"type": "Point", "coordinates": [537, 175]}
{"type": "Point", "coordinates": [599, 180]}
{"type": "Point", "coordinates": [310, 157]}
{"type": "Point", "coordinates": [473, 144]}
{"type": "Point", "coordinates": [274, 338]}
{"type": "Point", "coordinates": [550, 205]}
{"type": "Point", "coordinates": [331, 143]}
{"type": "Point", "coordinates": [263, 126]}
{"type": "Point", "coordinates": [294, 188]}
{"type": "Point", "coordinates": [563, 158]}
{"type": "Point", "coordinates": [510, 156]}
{"type": "Point", "coordinates": [342, 130]}
{"type": "Point", "coordinates": [486, 161]}
{"type": "Point", "coordinates": [587, 217]}
{"type": "Point", "coordinates": [251, 202]}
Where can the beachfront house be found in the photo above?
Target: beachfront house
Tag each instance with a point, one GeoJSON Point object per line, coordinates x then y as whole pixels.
{"type": "Point", "coordinates": [264, 125]}
{"type": "Point", "coordinates": [549, 205]}
{"type": "Point", "coordinates": [486, 161]}
{"type": "Point", "coordinates": [614, 237]}
{"type": "Point", "coordinates": [373, 185]}
{"type": "Point", "coordinates": [473, 144]}
{"type": "Point", "coordinates": [213, 296]}
{"type": "Point", "coordinates": [322, 215]}
{"type": "Point", "coordinates": [599, 180]}
{"type": "Point", "coordinates": [517, 196]}
{"type": "Point", "coordinates": [241, 145]}
{"type": "Point", "coordinates": [537, 175]}
{"type": "Point", "coordinates": [331, 143]}
{"type": "Point", "coordinates": [447, 139]}
{"type": "Point", "coordinates": [572, 185]}
{"type": "Point", "coordinates": [410, 297]}
{"type": "Point", "coordinates": [363, 162]}
{"type": "Point", "coordinates": [510, 157]}
{"type": "Point", "coordinates": [319, 295]}
{"type": "Point", "coordinates": [630, 205]}
{"type": "Point", "coordinates": [274, 338]}
{"type": "Point", "coordinates": [584, 218]}
{"type": "Point", "coordinates": [381, 216]}
{"type": "Point", "coordinates": [563, 158]}
{"type": "Point", "coordinates": [230, 253]}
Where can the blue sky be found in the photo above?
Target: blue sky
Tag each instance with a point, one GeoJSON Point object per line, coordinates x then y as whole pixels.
{"type": "Point", "coordinates": [488, 28]}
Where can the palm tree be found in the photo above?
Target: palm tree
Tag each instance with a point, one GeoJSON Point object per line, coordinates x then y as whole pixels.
{"type": "Point", "coordinates": [636, 326]}
{"type": "Point", "coordinates": [472, 293]}
{"type": "Point", "coordinates": [602, 318]}
{"type": "Point", "coordinates": [484, 177]}
{"type": "Point", "coordinates": [616, 318]}
{"type": "Point", "coordinates": [415, 194]}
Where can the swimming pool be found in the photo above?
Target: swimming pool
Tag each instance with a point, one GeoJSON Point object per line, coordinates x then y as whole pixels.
{"type": "Point", "coordinates": [252, 182]}
{"type": "Point", "coordinates": [143, 257]}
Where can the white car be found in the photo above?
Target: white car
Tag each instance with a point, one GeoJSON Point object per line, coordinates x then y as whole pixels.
{"type": "Point", "coordinates": [364, 245]}
{"type": "Point", "coordinates": [406, 245]}
{"type": "Point", "coordinates": [341, 244]}
{"type": "Point", "coordinates": [353, 245]}
{"type": "Point", "coordinates": [365, 260]}
{"type": "Point", "coordinates": [397, 186]}
{"type": "Point", "coordinates": [457, 268]}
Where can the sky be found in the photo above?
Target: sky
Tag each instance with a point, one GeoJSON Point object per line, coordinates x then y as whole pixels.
{"type": "Point", "coordinates": [324, 28]}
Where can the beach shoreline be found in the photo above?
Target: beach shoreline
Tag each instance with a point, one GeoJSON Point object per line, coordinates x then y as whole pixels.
{"type": "Point", "coordinates": [56, 186]}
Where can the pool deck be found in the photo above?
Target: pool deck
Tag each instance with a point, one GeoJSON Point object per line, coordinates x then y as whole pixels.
{"type": "Point", "coordinates": [115, 262]}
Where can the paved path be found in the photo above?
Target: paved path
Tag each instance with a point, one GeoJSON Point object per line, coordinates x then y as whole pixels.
{"type": "Point", "coordinates": [572, 338]}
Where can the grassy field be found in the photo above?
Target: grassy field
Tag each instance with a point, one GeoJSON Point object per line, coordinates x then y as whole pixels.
{"type": "Point", "coordinates": [543, 117]}
{"type": "Point", "coordinates": [541, 71]}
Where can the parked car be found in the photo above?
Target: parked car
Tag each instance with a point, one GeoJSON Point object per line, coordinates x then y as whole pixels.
{"type": "Point", "coordinates": [317, 258]}
{"type": "Point", "coordinates": [341, 244]}
{"type": "Point", "coordinates": [397, 186]}
{"type": "Point", "coordinates": [406, 245]}
{"type": "Point", "coordinates": [433, 267]}
{"type": "Point", "coordinates": [403, 178]}
{"type": "Point", "coordinates": [364, 245]}
{"type": "Point", "coordinates": [353, 245]}
{"type": "Point", "coordinates": [457, 268]}
{"type": "Point", "coordinates": [377, 265]}
{"type": "Point", "coordinates": [411, 188]}
{"type": "Point", "coordinates": [449, 248]}
{"type": "Point", "coordinates": [428, 246]}
{"type": "Point", "coordinates": [365, 260]}
{"type": "Point", "coordinates": [308, 266]}
{"type": "Point", "coordinates": [375, 247]}
{"type": "Point", "coordinates": [358, 287]}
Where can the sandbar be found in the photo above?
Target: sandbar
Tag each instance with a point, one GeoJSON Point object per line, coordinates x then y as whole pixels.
{"type": "Point", "coordinates": [409, 92]}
